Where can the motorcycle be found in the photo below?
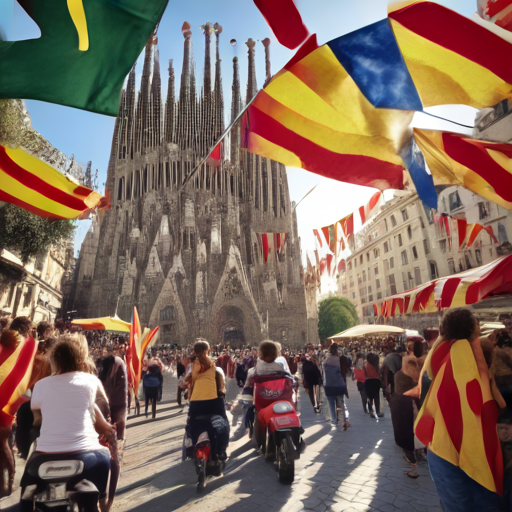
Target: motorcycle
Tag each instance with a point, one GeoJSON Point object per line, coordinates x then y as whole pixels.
{"type": "Point", "coordinates": [277, 428]}
{"type": "Point", "coordinates": [201, 453]}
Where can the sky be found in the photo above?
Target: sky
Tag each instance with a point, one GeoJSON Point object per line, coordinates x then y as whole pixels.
{"type": "Point", "coordinates": [88, 136]}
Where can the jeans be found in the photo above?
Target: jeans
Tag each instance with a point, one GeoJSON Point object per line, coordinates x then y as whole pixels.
{"type": "Point", "coordinates": [336, 402]}
{"type": "Point", "coordinates": [458, 492]}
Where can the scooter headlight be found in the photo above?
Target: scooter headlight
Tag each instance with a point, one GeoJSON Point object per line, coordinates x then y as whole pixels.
{"type": "Point", "coordinates": [60, 468]}
{"type": "Point", "coordinates": [282, 407]}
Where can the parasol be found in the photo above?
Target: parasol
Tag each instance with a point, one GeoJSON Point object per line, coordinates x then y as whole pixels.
{"type": "Point", "coordinates": [106, 323]}
{"type": "Point", "coordinates": [365, 330]}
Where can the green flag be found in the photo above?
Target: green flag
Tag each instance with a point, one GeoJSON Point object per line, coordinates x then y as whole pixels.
{"type": "Point", "coordinates": [86, 49]}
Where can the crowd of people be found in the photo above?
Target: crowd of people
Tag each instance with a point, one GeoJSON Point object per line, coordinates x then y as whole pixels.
{"type": "Point", "coordinates": [452, 394]}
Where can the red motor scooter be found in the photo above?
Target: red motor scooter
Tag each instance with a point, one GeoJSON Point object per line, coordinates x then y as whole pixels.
{"type": "Point", "coordinates": [277, 427]}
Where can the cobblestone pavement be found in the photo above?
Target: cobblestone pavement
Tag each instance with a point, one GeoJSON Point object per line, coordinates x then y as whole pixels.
{"type": "Point", "coordinates": [352, 471]}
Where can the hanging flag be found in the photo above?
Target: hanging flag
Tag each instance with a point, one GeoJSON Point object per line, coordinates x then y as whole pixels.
{"type": "Point", "coordinates": [325, 231]}
{"type": "Point", "coordinates": [498, 12]}
{"type": "Point", "coordinates": [342, 265]}
{"type": "Point", "coordinates": [329, 265]}
{"type": "Point", "coordinates": [85, 51]}
{"type": "Point", "coordinates": [319, 238]}
{"type": "Point", "coordinates": [478, 165]}
{"type": "Point", "coordinates": [336, 113]}
{"type": "Point", "coordinates": [37, 187]}
{"type": "Point", "coordinates": [461, 228]}
{"type": "Point", "coordinates": [265, 245]}
{"type": "Point", "coordinates": [332, 238]}
{"type": "Point", "coordinates": [285, 21]}
{"type": "Point", "coordinates": [472, 231]}
{"type": "Point", "coordinates": [216, 155]}
{"type": "Point", "coordinates": [347, 225]}
{"type": "Point", "coordinates": [446, 221]}
{"type": "Point", "coordinates": [452, 59]}
{"type": "Point", "coordinates": [491, 234]}
{"type": "Point", "coordinates": [369, 208]}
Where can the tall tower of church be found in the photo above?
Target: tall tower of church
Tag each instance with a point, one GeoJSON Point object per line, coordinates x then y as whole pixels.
{"type": "Point", "coordinates": [190, 256]}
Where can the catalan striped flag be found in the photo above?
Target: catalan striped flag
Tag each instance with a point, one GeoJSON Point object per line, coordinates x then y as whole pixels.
{"type": "Point", "coordinates": [369, 208]}
{"type": "Point", "coordinates": [15, 371]}
{"type": "Point", "coordinates": [458, 418]}
{"type": "Point", "coordinates": [342, 110]}
{"type": "Point", "coordinates": [481, 166]}
{"type": "Point", "coordinates": [37, 187]}
{"type": "Point", "coordinates": [452, 59]}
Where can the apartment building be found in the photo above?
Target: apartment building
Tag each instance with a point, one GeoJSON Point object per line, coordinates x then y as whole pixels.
{"type": "Point", "coordinates": [403, 247]}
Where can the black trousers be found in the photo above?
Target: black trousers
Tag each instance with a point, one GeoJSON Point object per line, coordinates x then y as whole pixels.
{"type": "Point", "coordinates": [151, 395]}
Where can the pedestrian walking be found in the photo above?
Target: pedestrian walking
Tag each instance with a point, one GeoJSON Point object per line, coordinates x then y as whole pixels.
{"type": "Point", "coordinates": [181, 371]}
{"type": "Point", "coordinates": [152, 382]}
{"type": "Point", "coordinates": [335, 388]}
{"type": "Point", "coordinates": [312, 381]}
{"type": "Point", "coordinates": [360, 377]}
{"type": "Point", "coordinates": [373, 383]}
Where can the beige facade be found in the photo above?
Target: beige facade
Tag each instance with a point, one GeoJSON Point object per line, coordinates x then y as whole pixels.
{"type": "Point", "coordinates": [402, 247]}
{"type": "Point", "coordinates": [33, 289]}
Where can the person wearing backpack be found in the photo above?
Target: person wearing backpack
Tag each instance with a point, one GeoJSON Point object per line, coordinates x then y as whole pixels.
{"type": "Point", "coordinates": [152, 383]}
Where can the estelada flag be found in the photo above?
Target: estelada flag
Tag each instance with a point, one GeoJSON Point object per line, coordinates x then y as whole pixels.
{"type": "Point", "coordinates": [37, 187]}
{"type": "Point", "coordinates": [86, 50]}
{"type": "Point", "coordinates": [459, 415]}
{"type": "Point", "coordinates": [451, 59]}
{"type": "Point", "coordinates": [478, 165]}
{"type": "Point", "coordinates": [15, 371]}
{"type": "Point", "coordinates": [333, 111]}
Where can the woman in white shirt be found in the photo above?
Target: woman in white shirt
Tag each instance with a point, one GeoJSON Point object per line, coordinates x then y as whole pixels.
{"type": "Point", "coordinates": [64, 405]}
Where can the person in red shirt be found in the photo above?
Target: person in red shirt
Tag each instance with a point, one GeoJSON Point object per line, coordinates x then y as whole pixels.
{"type": "Point", "coordinates": [360, 377]}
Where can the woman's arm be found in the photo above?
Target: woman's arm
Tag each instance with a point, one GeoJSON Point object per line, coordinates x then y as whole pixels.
{"type": "Point", "coordinates": [38, 418]}
{"type": "Point", "coordinates": [101, 425]}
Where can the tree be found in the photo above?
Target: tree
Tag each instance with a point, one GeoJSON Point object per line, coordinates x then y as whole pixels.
{"type": "Point", "coordinates": [335, 314]}
{"type": "Point", "coordinates": [30, 235]}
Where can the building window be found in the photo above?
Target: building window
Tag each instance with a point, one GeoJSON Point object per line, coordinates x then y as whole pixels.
{"type": "Point", "coordinates": [468, 262]}
{"type": "Point", "coordinates": [455, 201]}
{"type": "Point", "coordinates": [361, 260]}
{"type": "Point", "coordinates": [376, 269]}
{"type": "Point", "coordinates": [461, 266]}
{"type": "Point", "coordinates": [502, 233]}
{"type": "Point", "coordinates": [350, 265]}
{"type": "Point", "coordinates": [405, 216]}
{"type": "Point", "coordinates": [478, 257]}
{"type": "Point", "coordinates": [385, 224]}
{"type": "Point", "coordinates": [483, 210]}
{"type": "Point", "coordinates": [426, 246]}
{"type": "Point", "coordinates": [392, 284]}
{"type": "Point", "coordinates": [168, 314]}
{"type": "Point", "coordinates": [353, 295]}
{"type": "Point", "coordinates": [404, 258]}
{"type": "Point", "coordinates": [400, 240]}
{"type": "Point", "coordinates": [404, 282]}
{"type": "Point", "coordinates": [442, 245]}
{"type": "Point", "coordinates": [414, 252]}
{"type": "Point", "coordinates": [409, 232]}
{"type": "Point", "coordinates": [375, 253]}
{"type": "Point", "coordinates": [417, 275]}
{"type": "Point", "coordinates": [433, 270]}
{"type": "Point", "coordinates": [393, 221]}
{"type": "Point", "coordinates": [386, 247]}
{"type": "Point", "coordinates": [355, 262]}
{"type": "Point", "coordinates": [367, 256]}
{"type": "Point", "coordinates": [422, 223]}
{"type": "Point", "coordinates": [379, 295]}
{"type": "Point", "coordinates": [359, 280]}
{"type": "Point", "coordinates": [391, 262]}
{"type": "Point", "coordinates": [377, 283]}
{"type": "Point", "coordinates": [364, 276]}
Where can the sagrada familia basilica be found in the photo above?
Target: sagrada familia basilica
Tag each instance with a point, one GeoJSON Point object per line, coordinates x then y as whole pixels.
{"type": "Point", "coordinates": [214, 254]}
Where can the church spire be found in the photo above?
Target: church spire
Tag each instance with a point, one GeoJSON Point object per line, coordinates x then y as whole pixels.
{"type": "Point", "coordinates": [207, 128]}
{"type": "Point", "coordinates": [268, 72]}
{"type": "Point", "coordinates": [184, 111]}
{"type": "Point", "coordinates": [218, 95]}
{"type": "Point", "coordinates": [156, 100]}
{"type": "Point", "coordinates": [252, 86]}
{"type": "Point", "coordinates": [170, 107]}
{"type": "Point", "coordinates": [235, 110]}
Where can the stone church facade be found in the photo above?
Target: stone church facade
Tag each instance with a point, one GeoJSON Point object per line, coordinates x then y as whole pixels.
{"type": "Point", "coordinates": [188, 255]}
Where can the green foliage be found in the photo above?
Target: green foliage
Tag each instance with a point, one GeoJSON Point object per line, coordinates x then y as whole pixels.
{"type": "Point", "coordinates": [335, 314]}
{"type": "Point", "coordinates": [29, 235]}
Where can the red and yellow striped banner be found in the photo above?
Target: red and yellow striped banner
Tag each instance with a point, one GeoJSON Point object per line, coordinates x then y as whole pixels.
{"type": "Point", "coordinates": [37, 187]}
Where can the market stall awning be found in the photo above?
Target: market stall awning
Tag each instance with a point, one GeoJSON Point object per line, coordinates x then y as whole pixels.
{"type": "Point", "coordinates": [453, 291]}
{"type": "Point", "coordinates": [106, 323]}
{"type": "Point", "coordinates": [367, 330]}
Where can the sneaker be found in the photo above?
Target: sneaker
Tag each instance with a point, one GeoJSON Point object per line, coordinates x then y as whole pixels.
{"type": "Point", "coordinates": [380, 415]}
